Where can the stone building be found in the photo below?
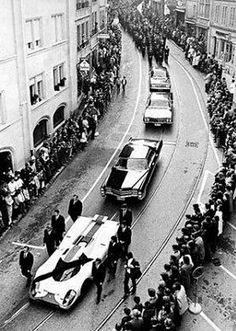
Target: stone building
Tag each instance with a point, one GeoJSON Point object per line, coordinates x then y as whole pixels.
{"type": "Point", "coordinates": [42, 44]}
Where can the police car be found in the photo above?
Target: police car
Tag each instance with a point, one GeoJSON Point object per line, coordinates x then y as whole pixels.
{"type": "Point", "coordinates": [63, 278]}
{"type": "Point", "coordinates": [159, 109]}
{"type": "Point", "coordinates": [133, 171]}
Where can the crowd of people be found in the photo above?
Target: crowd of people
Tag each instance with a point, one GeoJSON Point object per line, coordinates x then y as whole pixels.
{"type": "Point", "coordinates": [19, 190]}
{"type": "Point", "coordinates": [203, 229]}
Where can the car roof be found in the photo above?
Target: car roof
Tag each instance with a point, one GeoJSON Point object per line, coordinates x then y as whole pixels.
{"type": "Point", "coordinates": [158, 96]}
{"type": "Point", "coordinates": [134, 151]}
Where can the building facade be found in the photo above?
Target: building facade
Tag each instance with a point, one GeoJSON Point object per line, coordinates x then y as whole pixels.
{"type": "Point", "coordinates": [191, 17]}
{"type": "Point", "coordinates": [158, 6]}
{"type": "Point", "coordinates": [180, 11]}
{"type": "Point", "coordinates": [223, 35]}
{"type": "Point", "coordinates": [43, 43]}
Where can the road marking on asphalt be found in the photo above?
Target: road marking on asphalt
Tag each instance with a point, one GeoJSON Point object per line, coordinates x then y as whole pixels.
{"type": "Point", "coordinates": [231, 225]}
{"type": "Point", "coordinates": [204, 180]}
{"type": "Point", "coordinates": [228, 272]}
{"type": "Point", "coordinates": [209, 321]}
{"type": "Point", "coordinates": [44, 321]}
{"type": "Point", "coordinates": [16, 314]}
{"type": "Point", "coordinates": [202, 114]}
{"type": "Point", "coordinates": [28, 245]}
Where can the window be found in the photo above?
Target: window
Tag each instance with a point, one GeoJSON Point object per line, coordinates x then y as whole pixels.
{"type": "Point", "coordinates": [36, 89]}
{"type": "Point", "coordinates": [102, 19]}
{"type": "Point", "coordinates": [87, 31]}
{"type": "Point", "coordinates": [224, 15]}
{"type": "Point", "coordinates": [207, 9]}
{"type": "Point", "coordinates": [58, 77]}
{"type": "Point", "coordinates": [232, 17]}
{"type": "Point", "coordinates": [58, 31]}
{"type": "Point", "coordinates": [33, 34]}
{"type": "Point", "coordinates": [94, 23]}
{"type": "Point", "coordinates": [40, 132]}
{"type": "Point", "coordinates": [78, 36]}
{"type": "Point", "coordinates": [3, 113]}
{"type": "Point", "coordinates": [201, 7]}
{"type": "Point", "coordinates": [217, 13]}
{"type": "Point", "coordinates": [58, 116]}
{"type": "Point", "coordinates": [82, 4]}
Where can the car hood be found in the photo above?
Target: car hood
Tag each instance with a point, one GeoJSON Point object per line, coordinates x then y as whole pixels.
{"type": "Point", "coordinates": [124, 179]}
{"type": "Point", "coordinates": [158, 113]}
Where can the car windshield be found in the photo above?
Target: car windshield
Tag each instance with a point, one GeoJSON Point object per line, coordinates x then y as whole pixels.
{"type": "Point", "coordinates": [161, 103]}
{"type": "Point", "coordinates": [159, 74]}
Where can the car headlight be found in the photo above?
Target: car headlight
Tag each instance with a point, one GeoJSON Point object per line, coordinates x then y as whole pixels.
{"type": "Point", "coordinates": [140, 193]}
{"type": "Point", "coordinates": [102, 191]}
{"type": "Point", "coordinates": [37, 292]}
{"type": "Point", "coordinates": [69, 297]}
{"type": "Point", "coordinates": [146, 119]}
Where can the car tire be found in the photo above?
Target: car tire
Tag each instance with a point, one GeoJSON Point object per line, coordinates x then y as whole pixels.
{"type": "Point", "coordinates": [85, 287]}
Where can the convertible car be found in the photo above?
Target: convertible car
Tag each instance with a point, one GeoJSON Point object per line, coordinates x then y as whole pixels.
{"type": "Point", "coordinates": [133, 170]}
{"type": "Point", "coordinates": [63, 278]}
{"type": "Point", "coordinates": [159, 109]}
{"type": "Point", "coordinates": [159, 79]}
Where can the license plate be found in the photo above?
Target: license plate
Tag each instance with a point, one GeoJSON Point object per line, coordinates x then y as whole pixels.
{"type": "Point", "coordinates": [157, 124]}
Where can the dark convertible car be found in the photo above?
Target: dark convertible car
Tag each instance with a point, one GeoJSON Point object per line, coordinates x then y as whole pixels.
{"type": "Point", "coordinates": [133, 170]}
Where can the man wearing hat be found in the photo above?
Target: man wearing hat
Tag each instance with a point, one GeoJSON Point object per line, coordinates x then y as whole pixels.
{"type": "Point", "coordinates": [124, 236]}
{"type": "Point", "coordinates": [125, 214]}
{"type": "Point", "coordinates": [75, 208]}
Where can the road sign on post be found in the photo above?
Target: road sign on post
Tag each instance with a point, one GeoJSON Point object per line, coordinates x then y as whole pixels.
{"type": "Point", "coordinates": [84, 66]}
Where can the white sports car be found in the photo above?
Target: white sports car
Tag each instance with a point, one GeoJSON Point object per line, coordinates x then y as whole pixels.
{"type": "Point", "coordinates": [66, 274]}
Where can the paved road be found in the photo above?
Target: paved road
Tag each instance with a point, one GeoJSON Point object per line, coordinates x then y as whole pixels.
{"type": "Point", "coordinates": [184, 175]}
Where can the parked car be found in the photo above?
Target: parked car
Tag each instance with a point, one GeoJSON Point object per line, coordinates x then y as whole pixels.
{"type": "Point", "coordinates": [62, 279]}
{"type": "Point", "coordinates": [159, 79]}
{"type": "Point", "coordinates": [159, 109]}
{"type": "Point", "coordinates": [134, 169]}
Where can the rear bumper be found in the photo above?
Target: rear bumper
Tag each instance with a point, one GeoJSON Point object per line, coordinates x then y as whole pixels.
{"type": "Point", "coordinates": [122, 195]}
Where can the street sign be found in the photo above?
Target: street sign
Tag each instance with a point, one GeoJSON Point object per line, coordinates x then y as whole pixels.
{"type": "Point", "coordinates": [103, 36]}
{"type": "Point", "coordinates": [84, 66]}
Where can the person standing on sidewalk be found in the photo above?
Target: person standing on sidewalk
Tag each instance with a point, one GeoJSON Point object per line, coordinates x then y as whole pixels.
{"type": "Point", "coordinates": [98, 273]}
{"type": "Point", "coordinates": [123, 84]}
{"type": "Point", "coordinates": [26, 262]}
{"type": "Point", "coordinates": [58, 226]}
{"type": "Point", "coordinates": [75, 208]}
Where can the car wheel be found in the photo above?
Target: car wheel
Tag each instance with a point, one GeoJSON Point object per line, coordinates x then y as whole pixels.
{"type": "Point", "coordinates": [85, 287]}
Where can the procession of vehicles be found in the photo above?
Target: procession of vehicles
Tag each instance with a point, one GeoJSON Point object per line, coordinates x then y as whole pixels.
{"type": "Point", "coordinates": [133, 171]}
{"type": "Point", "coordinates": [61, 280]}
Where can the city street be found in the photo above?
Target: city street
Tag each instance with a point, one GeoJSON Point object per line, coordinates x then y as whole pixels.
{"type": "Point", "coordinates": [184, 175]}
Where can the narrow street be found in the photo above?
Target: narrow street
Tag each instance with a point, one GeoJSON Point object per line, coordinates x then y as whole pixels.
{"type": "Point", "coordinates": [184, 176]}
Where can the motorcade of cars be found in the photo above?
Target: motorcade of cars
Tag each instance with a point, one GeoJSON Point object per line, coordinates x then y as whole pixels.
{"type": "Point", "coordinates": [159, 109]}
{"type": "Point", "coordinates": [159, 79]}
{"type": "Point", "coordinates": [63, 278]}
{"type": "Point", "coordinates": [130, 176]}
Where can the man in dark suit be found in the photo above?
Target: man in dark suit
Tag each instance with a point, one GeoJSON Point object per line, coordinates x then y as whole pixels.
{"type": "Point", "coordinates": [98, 273]}
{"type": "Point", "coordinates": [75, 208]}
{"type": "Point", "coordinates": [58, 226]}
{"type": "Point", "coordinates": [26, 262]}
{"type": "Point", "coordinates": [126, 214]}
{"type": "Point", "coordinates": [49, 240]}
{"type": "Point", "coordinates": [113, 255]}
{"type": "Point", "coordinates": [124, 236]}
